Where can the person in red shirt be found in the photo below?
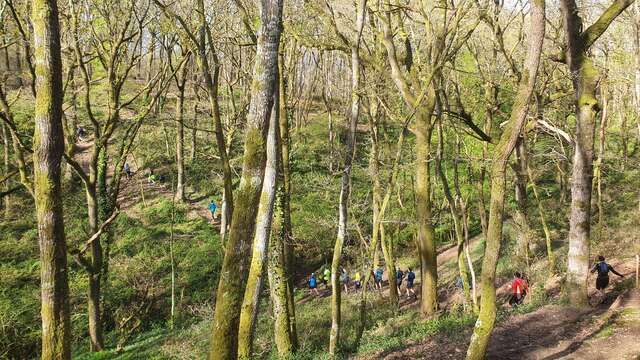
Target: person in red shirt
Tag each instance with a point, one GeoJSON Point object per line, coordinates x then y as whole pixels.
{"type": "Point", "coordinates": [520, 289]}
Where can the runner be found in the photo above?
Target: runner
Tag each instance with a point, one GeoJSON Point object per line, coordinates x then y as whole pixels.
{"type": "Point", "coordinates": [378, 278]}
{"type": "Point", "coordinates": [127, 170]}
{"type": "Point", "coordinates": [399, 278]}
{"type": "Point", "coordinates": [212, 208]}
{"type": "Point", "coordinates": [313, 284]}
{"type": "Point", "coordinates": [411, 276]}
{"type": "Point", "coordinates": [345, 280]}
{"type": "Point", "coordinates": [602, 281]}
{"type": "Point", "coordinates": [327, 277]}
{"type": "Point", "coordinates": [520, 290]}
{"type": "Point", "coordinates": [356, 280]}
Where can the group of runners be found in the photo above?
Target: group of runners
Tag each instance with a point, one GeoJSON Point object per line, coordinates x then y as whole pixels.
{"type": "Point", "coordinates": [520, 287]}
{"type": "Point", "coordinates": [324, 277]}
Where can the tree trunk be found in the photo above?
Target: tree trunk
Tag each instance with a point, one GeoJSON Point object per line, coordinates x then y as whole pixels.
{"type": "Point", "coordinates": [543, 220]}
{"type": "Point", "coordinates": [5, 166]}
{"type": "Point", "coordinates": [180, 195]}
{"type": "Point", "coordinates": [456, 217]}
{"type": "Point", "coordinates": [194, 134]}
{"type": "Point", "coordinates": [48, 147]}
{"type": "Point", "coordinates": [520, 217]}
{"type": "Point", "coordinates": [601, 152]}
{"type": "Point", "coordinates": [585, 80]}
{"type": "Point", "coordinates": [224, 340]}
{"type": "Point", "coordinates": [253, 290]}
{"type": "Point", "coordinates": [283, 337]}
{"type": "Point", "coordinates": [376, 233]}
{"type": "Point", "coordinates": [93, 300]}
{"type": "Point", "coordinates": [426, 237]}
{"type": "Point", "coordinates": [486, 319]}
{"type": "Point", "coordinates": [336, 288]}
{"type": "Point", "coordinates": [212, 84]}
{"type": "Point", "coordinates": [285, 170]}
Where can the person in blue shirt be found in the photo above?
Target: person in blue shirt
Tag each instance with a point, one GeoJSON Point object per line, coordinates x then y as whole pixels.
{"type": "Point", "coordinates": [411, 276]}
{"type": "Point", "coordinates": [313, 284]}
{"type": "Point", "coordinates": [378, 278]}
{"type": "Point", "coordinates": [399, 278]}
{"type": "Point", "coordinates": [212, 208]}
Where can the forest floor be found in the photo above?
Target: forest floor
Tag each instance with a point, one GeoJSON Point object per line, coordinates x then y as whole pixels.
{"type": "Point", "coordinates": [551, 331]}
{"type": "Point", "coordinates": [608, 331]}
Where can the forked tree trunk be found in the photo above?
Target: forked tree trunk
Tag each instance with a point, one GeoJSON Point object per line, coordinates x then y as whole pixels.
{"type": "Point", "coordinates": [585, 81]}
{"type": "Point", "coordinates": [336, 288]}
{"type": "Point", "coordinates": [48, 146]}
{"type": "Point", "coordinates": [229, 296]}
{"type": "Point", "coordinates": [253, 290]}
{"type": "Point", "coordinates": [486, 319]}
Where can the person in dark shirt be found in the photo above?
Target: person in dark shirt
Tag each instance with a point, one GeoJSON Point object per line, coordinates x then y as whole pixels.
{"type": "Point", "coordinates": [411, 276]}
{"type": "Point", "coordinates": [603, 269]}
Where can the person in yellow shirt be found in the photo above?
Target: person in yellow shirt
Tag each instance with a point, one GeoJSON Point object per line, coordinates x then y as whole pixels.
{"type": "Point", "coordinates": [356, 280]}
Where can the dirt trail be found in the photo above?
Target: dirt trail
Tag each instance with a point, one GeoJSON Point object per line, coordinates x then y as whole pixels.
{"type": "Point", "coordinates": [609, 331]}
{"type": "Point", "coordinates": [446, 293]}
{"type": "Point", "coordinates": [138, 189]}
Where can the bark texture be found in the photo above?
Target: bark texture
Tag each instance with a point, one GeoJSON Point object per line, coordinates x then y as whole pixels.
{"type": "Point", "coordinates": [585, 78]}
{"type": "Point", "coordinates": [229, 296]}
{"type": "Point", "coordinates": [486, 319]}
{"type": "Point", "coordinates": [48, 146]}
{"type": "Point", "coordinates": [253, 290]}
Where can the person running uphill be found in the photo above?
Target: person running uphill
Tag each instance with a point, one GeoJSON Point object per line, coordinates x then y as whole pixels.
{"type": "Point", "coordinates": [378, 278]}
{"type": "Point", "coordinates": [345, 280]}
{"type": "Point", "coordinates": [127, 170]}
{"type": "Point", "coordinates": [399, 278]}
{"type": "Point", "coordinates": [313, 284]}
{"type": "Point", "coordinates": [212, 208]}
{"type": "Point", "coordinates": [602, 281]}
{"type": "Point", "coordinates": [520, 290]}
{"type": "Point", "coordinates": [327, 278]}
{"type": "Point", "coordinates": [411, 276]}
{"type": "Point", "coordinates": [357, 280]}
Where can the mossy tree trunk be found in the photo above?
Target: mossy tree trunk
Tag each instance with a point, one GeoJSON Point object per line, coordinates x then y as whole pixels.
{"type": "Point", "coordinates": [420, 98]}
{"type": "Point", "coordinates": [486, 319]}
{"type": "Point", "coordinates": [278, 285]}
{"type": "Point", "coordinates": [48, 146]}
{"type": "Point", "coordinates": [5, 167]}
{"type": "Point", "coordinates": [253, 290]}
{"type": "Point", "coordinates": [585, 80]}
{"type": "Point", "coordinates": [285, 201]}
{"type": "Point", "coordinates": [230, 291]}
{"type": "Point", "coordinates": [336, 288]}
{"type": "Point", "coordinates": [520, 216]}
{"type": "Point", "coordinates": [280, 270]}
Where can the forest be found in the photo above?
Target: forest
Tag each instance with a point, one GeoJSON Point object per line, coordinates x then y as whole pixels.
{"type": "Point", "coordinates": [319, 179]}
